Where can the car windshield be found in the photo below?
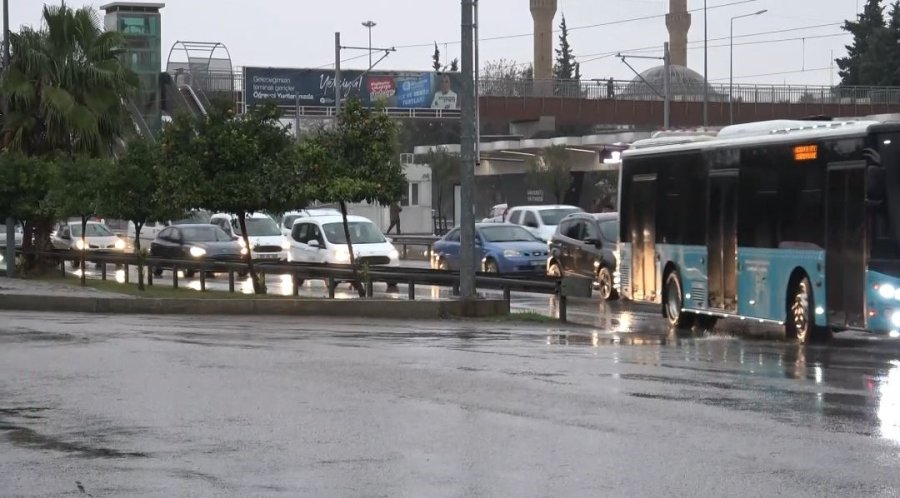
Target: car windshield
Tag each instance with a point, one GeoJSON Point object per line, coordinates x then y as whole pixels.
{"type": "Point", "coordinates": [92, 230]}
{"type": "Point", "coordinates": [610, 230]}
{"type": "Point", "coordinates": [258, 227]}
{"type": "Point", "coordinates": [361, 232]}
{"type": "Point", "coordinates": [553, 216]}
{"type": "Point", "coordinates": [204, 234]}
{"type": "Point", "coordinates": [507, 234]}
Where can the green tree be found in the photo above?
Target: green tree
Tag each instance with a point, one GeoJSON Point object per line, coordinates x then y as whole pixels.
{"type": "Point", "coordinates": [865, 60]}
{"type": "Point", "coordinates": [65, 87]}
{"type": "Point", "coordinates": [506, 77]}
{"type": "Point", "coordinates": [231, 164]}
{"type": "Point", "coordinates": [354, 161]}
{"type": "Point", "coordinates": [26, 195]}
{"type": "Point", "coordinates": [133, 192]}
{"type": "Point", "coordinates": [78, 191]}
{"type": "Point", "coordinates": [436, 58]}
{"type": "Point", "coordinates": [566, 67]}
{"type": "Point", "coordinates": [444, 176]}
{"type": "Point", "coordinates": [551, 171]}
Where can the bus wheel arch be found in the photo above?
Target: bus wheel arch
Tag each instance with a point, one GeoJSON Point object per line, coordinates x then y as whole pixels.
{"type": "Point", "coordinates": [800, 310]}
{"type": "Point", "coordinates": [673, 299]}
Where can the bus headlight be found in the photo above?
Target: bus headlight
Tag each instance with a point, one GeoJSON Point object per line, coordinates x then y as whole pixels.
{"type": "Point", "coordinates": [887, 291]}
{"type": "Point", "coordinates": [895, 319]}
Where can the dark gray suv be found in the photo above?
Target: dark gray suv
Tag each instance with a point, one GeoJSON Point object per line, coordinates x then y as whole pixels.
{"type": "Point", "coordinates": [585, 245]}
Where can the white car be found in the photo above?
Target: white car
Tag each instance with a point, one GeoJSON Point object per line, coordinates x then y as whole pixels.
{"type": "Point", "coordinates": [321, 239]}
{"type": "Point", "coordinates": [98, 237]}
{"type": "Point", "coordinates": [266, 241]}
{"type": "Point", "coordinates": [288, 219]}
{"type": "Point", "coordinates": [541, 220]}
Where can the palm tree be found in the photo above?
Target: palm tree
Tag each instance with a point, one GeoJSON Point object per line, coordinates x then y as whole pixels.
{"type": "Point", "coordinates": [66, 87]}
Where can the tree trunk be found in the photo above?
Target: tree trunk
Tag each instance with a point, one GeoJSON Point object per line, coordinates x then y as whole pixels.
{"type": "Point", "coordinates": [258, 287]}
{"type": "Point", "coordinates": [356, 283]}
{"type": "Point", "coordinates": [84, 248]}
{"type": "Point", "coordinates": [137, 252]}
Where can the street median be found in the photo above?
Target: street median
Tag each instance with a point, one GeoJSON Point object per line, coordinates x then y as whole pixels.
{"type": "Point", "coordinates": [362, 308]}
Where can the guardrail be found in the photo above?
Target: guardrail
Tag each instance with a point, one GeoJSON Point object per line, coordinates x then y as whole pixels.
{"type": "Point", "coordinates": [333, 275]}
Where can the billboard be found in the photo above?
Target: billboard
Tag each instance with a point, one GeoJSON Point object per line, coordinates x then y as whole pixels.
{"type": "Point", "coordinates": [315, 88]}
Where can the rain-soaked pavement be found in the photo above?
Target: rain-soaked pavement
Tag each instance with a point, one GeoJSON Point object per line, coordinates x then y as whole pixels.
{"type": "Point", "coordinates": [181, 406]}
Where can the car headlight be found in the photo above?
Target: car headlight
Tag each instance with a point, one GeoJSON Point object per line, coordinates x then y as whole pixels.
{"type": "Point", "coordinates": [342, 255]}
{"type": "Point", "coordinates": [198, 252]}
{"type": "Point", "coordinates": [243, 251]}
{"type": "Point", "coordinates": [79, 244]}
{"type": "Point", "coordinates": [511, 253]}
{"type": "Point", "coordinates": [394, 254]}
{"type": "Point", "coordinates": [120, 245]}
{"type": "Point", "coordinates": [285, 244]}
{"type": "Point", "coordinates": [887, 291]}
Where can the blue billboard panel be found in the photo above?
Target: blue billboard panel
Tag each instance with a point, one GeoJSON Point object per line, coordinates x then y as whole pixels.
{"type": "Point", "coordinates": [316, 88]}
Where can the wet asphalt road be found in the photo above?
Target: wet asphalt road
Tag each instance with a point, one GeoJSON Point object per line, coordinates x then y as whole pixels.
{"type": "Point", "coordinates": [162, 407]}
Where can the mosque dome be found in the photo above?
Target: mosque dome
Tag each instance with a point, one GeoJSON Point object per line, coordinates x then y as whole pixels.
{"type": "Point", "coordinates": [683, 82]}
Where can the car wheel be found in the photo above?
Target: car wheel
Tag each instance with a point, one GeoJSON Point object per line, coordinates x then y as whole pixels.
{"type": "Point", "coordinates": [674, 302]}
{"type": "Point", "coordinates": [490, 266]}
{"type": "Point", "coordinates": [554, 270]}
{"type": "Point", "coordinates": [605, 285]}
{"type": "Point", "coordinates": [800, 323]}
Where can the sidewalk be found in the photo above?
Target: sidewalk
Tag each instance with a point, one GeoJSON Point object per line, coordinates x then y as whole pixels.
{"type": "Point", "coordinates": [38, 288]}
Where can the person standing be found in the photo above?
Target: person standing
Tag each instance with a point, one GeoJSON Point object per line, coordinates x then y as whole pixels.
{"type": "Point", "coordinates": [395, 217]}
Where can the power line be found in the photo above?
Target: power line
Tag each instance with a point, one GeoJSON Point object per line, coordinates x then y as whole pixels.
{"type": "Point", "coordinates": [589, 26]}
{"type": "Point", "coordinates": [780, 73]}
{"type": "Point", "coordinates": [607, 55]}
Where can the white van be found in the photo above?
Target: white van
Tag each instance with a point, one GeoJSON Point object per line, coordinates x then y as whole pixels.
{"type": "Point", "coordinates": [266, 241]}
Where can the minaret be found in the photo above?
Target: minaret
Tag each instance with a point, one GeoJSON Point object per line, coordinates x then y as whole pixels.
{"type": "Point", "coordinates": [543, 12]}
{"type": "Point", "coordinates": [679, 22]}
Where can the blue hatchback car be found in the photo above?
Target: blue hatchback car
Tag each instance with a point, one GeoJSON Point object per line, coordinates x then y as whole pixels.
{"type": "Point", "coordinates": [502, 247]}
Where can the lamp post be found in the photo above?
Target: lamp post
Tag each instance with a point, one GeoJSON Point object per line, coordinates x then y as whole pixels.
{"type": "Point", "coordinates": [10, 221]}
{"type": "Point", "coordinates": [370, 25]}
{"type": "Point", "coordinates": [731, 71]}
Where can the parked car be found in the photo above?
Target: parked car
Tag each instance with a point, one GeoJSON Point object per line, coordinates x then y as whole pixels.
{"type": "Point", "coordinates": [498, 214]}
{"type": "Point", "coordinates": [321, 239]}
{"type": "Point", "coordinates": [266, 241]}
{"type": "Point", "coordinates": [18, 234]}
{"type": "Point", "coordinates": [501, 248]}
{"type": "Point", "coordinates": [97, 237]}
{"type": "Point", "coordinates": [541, 220]}
{"type": "Point", "coordinates": [199, 242]}
{"type": "Point", "coordinates": [586, 245]}
{"type": "Point", "coordinates": [287, 219]}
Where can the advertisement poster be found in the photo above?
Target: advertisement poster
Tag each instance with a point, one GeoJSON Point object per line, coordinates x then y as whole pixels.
{"type": "Point", "coordinates": [316, 88]}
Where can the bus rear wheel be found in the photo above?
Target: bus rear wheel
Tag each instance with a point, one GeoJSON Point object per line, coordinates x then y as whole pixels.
{"type": "Point", "coordinates": [800, 324]}
{"type": "Point", "coordinates": [674, 302]}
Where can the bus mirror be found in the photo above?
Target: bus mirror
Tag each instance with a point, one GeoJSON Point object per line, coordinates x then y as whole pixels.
{"type": "Point", "coordinates": [875, 178]}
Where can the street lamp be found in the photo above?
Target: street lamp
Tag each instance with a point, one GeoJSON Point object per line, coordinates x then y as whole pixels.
{"type": "Point", "coordinates": [731, 72]}
{"type": "Point", "coordinates": [370, 25]}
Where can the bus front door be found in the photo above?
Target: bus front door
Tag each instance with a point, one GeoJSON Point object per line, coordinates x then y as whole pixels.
{"type": "Point", "coordinates": [643, 237]}
{"type": "Point", "coordinates": [722, 240]}
{"type": "Point", "coordinates": [845, 268]}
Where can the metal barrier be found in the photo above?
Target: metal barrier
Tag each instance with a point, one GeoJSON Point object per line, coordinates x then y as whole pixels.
{"type": "Point", "coordinates": [332, 275]}
{"type": "Point", "coordinates": [414, 240]}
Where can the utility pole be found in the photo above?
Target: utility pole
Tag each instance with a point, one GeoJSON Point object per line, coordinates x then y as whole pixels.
{"type": "Point", "coordinates": [705, 67]}
{"type": "Point", "coordinates": [10, 221]}
{"type": "Point", "coordinates": [467, 156]}
{"type": "Point", "coordinates": [667, 87]}
{"type": "Point", "coordinates": [370, 25]}
{"type": "Point", "coordinates": [337, 75]}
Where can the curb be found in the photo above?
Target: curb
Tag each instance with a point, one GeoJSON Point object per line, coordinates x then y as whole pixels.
{"type": "Point", "coordinates": [395, 309]}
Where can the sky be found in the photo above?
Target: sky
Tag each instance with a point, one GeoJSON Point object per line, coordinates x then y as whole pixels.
{"type": "Point", "coordinates": [769, 48]}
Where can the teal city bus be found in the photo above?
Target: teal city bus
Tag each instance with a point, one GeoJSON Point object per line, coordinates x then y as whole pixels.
{"type": "Point", "coordinates": [789, 222]}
